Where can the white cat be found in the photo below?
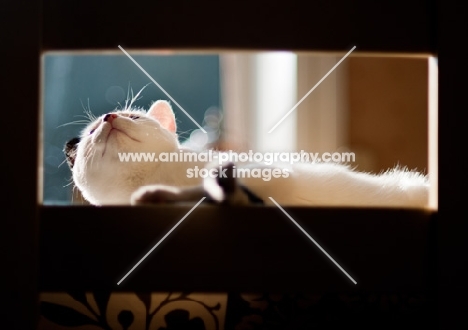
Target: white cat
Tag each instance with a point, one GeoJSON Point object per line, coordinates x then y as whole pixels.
{"type": "Point", "coordinates": [104, 179]}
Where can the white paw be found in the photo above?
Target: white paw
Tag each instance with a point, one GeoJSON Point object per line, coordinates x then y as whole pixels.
{"type": "Point", "coordinates": [157, 194]}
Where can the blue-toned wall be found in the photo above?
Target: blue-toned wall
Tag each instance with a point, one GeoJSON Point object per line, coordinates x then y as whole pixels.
{"type": "Point", "coordinates": [72, 82]}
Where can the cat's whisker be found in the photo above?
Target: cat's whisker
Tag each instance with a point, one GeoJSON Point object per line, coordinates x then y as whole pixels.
{"type": "Point", "coordinates": [76, 122]}
{"type": "Point", "coordinates": [135, 97]}
{"type": "Point", "coordinates": [71, 182]}
{"type": "Point", "coordinates": [131, 100]}
{"type": "Point", "coordinates": [141, 90]}
{"type": "Point", "coordinates": [68, 184]}
{"type": "Point", "coordinates": [184, 135]}
{"type": "Point", "coordinates": [128, 97]}
{"type": "Point", "coordinates": [120, 106]}
{"type": "Point", "coordinates": [73, 193]}
{"type": "Point", "coordinates": [187, 132]}
{"type": "Point", "coordinates": [63, 162]}
{"type": "Point", "coordinates": [90, 115]}
{"type": "Point", "coordinates": [88, 112]}
{"type": "Point", "coordinates": [83, 106]}
{"type": "Point", "coordinates": [85, 118]}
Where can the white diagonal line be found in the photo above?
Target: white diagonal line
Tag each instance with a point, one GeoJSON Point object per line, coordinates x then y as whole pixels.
{"type": "Point", "coordinates": [316, 85]}
{"type": "Point", "coordinates": [160, 87]}
{"type": "Point", "coordinates": [310, 237]}
{"type": "Point", "coordinates": [160, 241]}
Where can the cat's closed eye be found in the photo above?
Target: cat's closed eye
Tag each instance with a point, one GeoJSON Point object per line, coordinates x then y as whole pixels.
{"type": "Point", "coordinates": [134, 117]}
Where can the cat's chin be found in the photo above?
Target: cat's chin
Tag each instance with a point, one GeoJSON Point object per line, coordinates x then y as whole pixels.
{"type": "Point", "coordinates": [106, 201]}
{"type": "Point", "coordinates": [118, 134]}
{"type": "Point", "coordinates": [108, 181]}
{"type": "Point", "coordinates": [116, 141]}
{"type": "Point", "coordinates": [105, 194]}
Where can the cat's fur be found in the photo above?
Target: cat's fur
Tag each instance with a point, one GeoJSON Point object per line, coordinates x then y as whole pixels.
{"type": "Point", "coordinates": [104, 180]}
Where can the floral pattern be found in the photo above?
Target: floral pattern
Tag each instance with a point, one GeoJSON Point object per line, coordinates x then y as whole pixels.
{"type": "Point", "coordinates": [197, 311]}
{"type": "Point", "coordinates": [131, 311]}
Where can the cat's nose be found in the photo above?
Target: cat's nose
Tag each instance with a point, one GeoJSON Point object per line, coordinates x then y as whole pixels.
{"type": "Point", "coordinates": [109, 117]}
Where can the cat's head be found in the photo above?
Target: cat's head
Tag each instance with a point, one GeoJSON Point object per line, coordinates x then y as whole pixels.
{"type": "Point", "coordinates": [95, 157]}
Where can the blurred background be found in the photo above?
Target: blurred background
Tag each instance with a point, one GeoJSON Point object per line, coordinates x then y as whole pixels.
{"type": "Point", "coordinates": [373, 105]}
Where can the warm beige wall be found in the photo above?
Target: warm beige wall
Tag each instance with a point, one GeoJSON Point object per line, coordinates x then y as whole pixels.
{"type": "Point", "coordinates": [388, 112]}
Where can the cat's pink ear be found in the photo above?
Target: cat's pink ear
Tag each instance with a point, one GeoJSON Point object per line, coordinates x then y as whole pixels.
{"type": "Point", "coordinates": [162, 111]}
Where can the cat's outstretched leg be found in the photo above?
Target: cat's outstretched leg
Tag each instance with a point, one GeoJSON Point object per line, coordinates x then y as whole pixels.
{"type": "Point", "coordinates": [223, 188]}
{"type": "Point", "coordinates": [158, 194]}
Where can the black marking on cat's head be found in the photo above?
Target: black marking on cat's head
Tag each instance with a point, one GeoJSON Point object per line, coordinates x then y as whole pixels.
{"type": "Point", "coordinates": [70, 151]}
